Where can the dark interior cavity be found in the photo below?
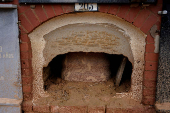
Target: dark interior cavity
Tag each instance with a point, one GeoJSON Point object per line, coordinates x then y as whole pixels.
{"type": "Point", "coordinates": [52, 73]}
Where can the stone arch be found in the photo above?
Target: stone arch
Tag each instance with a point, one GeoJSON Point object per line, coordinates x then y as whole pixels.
{"type": "Point", "coordinates": [103, 25]}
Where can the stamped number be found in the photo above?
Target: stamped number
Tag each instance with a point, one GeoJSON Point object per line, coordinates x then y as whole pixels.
{"type": "Point", "coordinates": [85, 7]}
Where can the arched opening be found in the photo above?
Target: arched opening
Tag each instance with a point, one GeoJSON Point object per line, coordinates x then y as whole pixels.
{"type": "Point", "coordinates": [86, 67]}
{"type": "Point", "coordinates": [78, 74]}
{"type": "Point", "coordinates": [88, 33]}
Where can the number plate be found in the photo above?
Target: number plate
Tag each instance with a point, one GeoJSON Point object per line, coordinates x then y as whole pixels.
{"type": "Point", "coordinates": [86, 7]}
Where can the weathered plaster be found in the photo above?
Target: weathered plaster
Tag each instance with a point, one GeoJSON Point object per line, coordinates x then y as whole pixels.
{"type": "Point", "coordinates": [112, 25]}
{"type": "Point", "coordinates": [87, 38]}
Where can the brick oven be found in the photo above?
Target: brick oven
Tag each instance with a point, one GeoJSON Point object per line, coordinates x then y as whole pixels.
{"type": "Point", "coordinates": [87, 32]}
{"type": "Point", "coordinates": [68, 36]}
{"type": "Point", "coordinates": [68, 56]}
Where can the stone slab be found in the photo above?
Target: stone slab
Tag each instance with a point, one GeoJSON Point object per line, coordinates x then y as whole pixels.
{"type": "Point", "coordinates": [10, 109]}
{"type": "Point", "coordinates": [10, 70]}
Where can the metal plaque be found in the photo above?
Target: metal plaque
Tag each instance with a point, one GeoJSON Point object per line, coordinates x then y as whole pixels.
{"type": "Point", "coordinates": [86, 7]}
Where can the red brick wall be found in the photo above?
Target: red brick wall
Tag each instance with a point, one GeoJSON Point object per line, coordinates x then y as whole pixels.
{"type": "Point", "coordinates": [143, 18]}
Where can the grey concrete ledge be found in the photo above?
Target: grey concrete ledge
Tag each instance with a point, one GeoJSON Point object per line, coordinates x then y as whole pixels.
{"type": "Point", "coordinates": [10, 102]}
{"type": "Point", "coordinates": [8, 6]}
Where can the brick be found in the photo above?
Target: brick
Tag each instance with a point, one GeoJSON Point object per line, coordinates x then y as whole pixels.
{"type": "Point", "coordinates": [132, 14]}
{"type": "Point", "coordinates": [151, 57]}
{"type": "Point", "coordinates": [150, 39]}
{"type": "Point", "coordinates": [30, 54]}
{"type": "Point", "coordinates": [113, 9]}
{"type": "Point", "coordinates": [69, 109]}
{"type": "Point", "coordinates": [25, 63]}
{"type": "Point", "coordinates": [149, 23]}
{"type": "Point", "coordinates": [27, 106]}
{"type": "Point", "coordinates": [123, 11]}
{"type": "Point", "coordinates": [14, 2]}
{"type": "Point", "coordinates": [41, 108]}
{"type": "Point", "coordinates": [32, 18]}
{"type": "Point", "coordinates": [149, 109]}
{"type": "Point", "coordinates": [24, 47]}
{"type": "Point", "coordinates": [24, 55]}
{"type": "Point", "coordinates": [26, 71]}
{"type": "Point", "coordinates": [155, 8]}
{"type": "Point", "coordinates": [55, 109]}
{"type": "Point", "coordinates": [29, 112]}
{"type": "Point", "coordinates": [27, 88]}
{"type": "Point", "coordinates": [22, 8]}
{"type": "Point", "coordinates": [24, 38]}
{"type": "Point", "coordinates": [141, 17]}
{"type": "Point", "coordinates": [159, 19]}
{"type": "Point", "coordinates": [117, 110]}
{"type": "Point", "coordinates": [27, 80]}
{"type": "Point", "coordinates": [113, 110]}
{"type": "Point", "coordinates": [27, 96]}
{"type": "Point", "coordinates": [49, 10]}
{"type": "Point", "coordinates": [150, 47]}
{"type": "Point", "coordinates": [40, 13]}
{"type": "Point", "coordinates": [96, 67]}
{"type": "Point", "coordinates": [67, 8]}
{"type": "Point", "coordinates": [158, 23]}
{"type": "Point", "coordinates": [127, 110]}
{"type": "Point", "coordinates": [149, 84]}
{"type": "Point", "coordinates": [159, 1]}
{"type": "Point", "coordinates": [22, 30]}
{"type": "Point", "coordinates": [104, 8]}
{"type": "Point", "coordinates": [29, 45]}
{"type": "Point", "coordinates": [96, 109]}
{"type": "Point", "coordinates": [58, 9]}
{"type": "Point", "coordinates": [108, 110]}
{"type": "Point", "coordinates": [134, 109]}
{"type": "Point", "coordinates": [151, 66]}
{"type": "Point", "coordinates": [25, 23]}
{"type": "Point", "coordinates": [148, 100]}
{"type": "Point", "coordinates": [137, 109]}
{"type": "Point", "coordinates": [149, 92]}
{"type": "Point", "coordinates": [150, 75]}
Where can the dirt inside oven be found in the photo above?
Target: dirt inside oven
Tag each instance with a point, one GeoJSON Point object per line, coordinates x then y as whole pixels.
{"type": "Point", "coordinates": [78, 93]}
